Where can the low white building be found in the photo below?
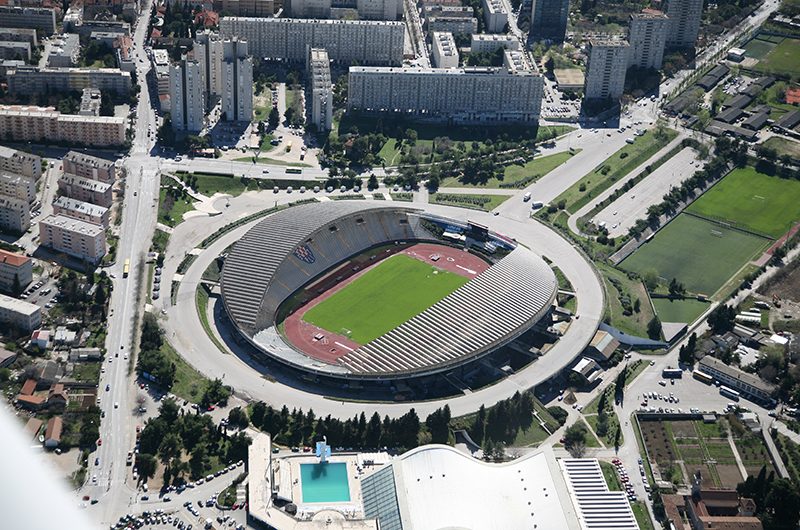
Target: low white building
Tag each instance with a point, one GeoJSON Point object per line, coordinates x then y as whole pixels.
{"type": "Point", "coordinates": [20, 313]}
{"type": "Point", "coordinates": [444, 51]}
{"type": "Point", "coordinates": [490, 43]}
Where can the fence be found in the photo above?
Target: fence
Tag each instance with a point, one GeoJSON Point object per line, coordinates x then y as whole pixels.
{"type": "Point", "coordinates": [728, 223]}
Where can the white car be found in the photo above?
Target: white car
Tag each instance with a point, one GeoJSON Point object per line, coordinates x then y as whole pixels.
{"type": "Point", "coordinates": [116, 405]}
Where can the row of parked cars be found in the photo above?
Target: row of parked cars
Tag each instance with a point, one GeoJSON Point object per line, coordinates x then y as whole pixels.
{"type": "Point", "coordinates": [623, 477]}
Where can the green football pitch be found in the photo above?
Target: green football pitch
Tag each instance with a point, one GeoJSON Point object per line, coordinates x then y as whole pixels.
{"type": "Point", "coordinates": [685, 311]}
{"type": "Point", "coordinates": [391, 293]}
{"type": "Point", "coordinates": [686, 249]}
{"type": "Point", "coordinates": [768, 205]}
{"type": "Point", "coordinates": [785, 58]}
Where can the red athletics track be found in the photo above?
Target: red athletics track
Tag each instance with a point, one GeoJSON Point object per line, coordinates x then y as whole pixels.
{"type": "Point", "coordinates": [332, 346]}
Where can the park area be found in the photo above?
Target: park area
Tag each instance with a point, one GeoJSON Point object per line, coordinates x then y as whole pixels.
{"type": "Point", "coordinates": [386, 296]}
{"type": "Point", "coordinates": [784, 58]}
{"type": "Point", "coordinates": [700, 254]}
{"type": "Point", "coordinates": [754, 201]}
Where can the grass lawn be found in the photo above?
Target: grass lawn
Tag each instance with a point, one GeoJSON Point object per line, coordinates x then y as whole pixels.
{"type": "Point", "coordinates": [619, 165]}
{"type": "Point", "coordinates": [467, 200]}
{"type": "Point", "coordinates": [784, 146]}
{"type": "Point", "coordinates": [610, 473]}
{"type": "Point", "coordinates": [758, 49]}
{"type": "Point", "coordinates": [539, 166]}
{"type": "Point", "coordinates": [612, 423]}
{"type": "Point", "coordinates": [685, 311]}
{"type": "Point", "coordinates": [391, 293]}
{"type": "Point", "coordinates": [189, 384]}
{"type": "Point", "coordinates": [265, 146]}
{"type": "Point", "coordinates": [265, 160]}
{"type": "Point", "coordinates": [785, 58]}
{"type": "Point", "coordinates": [210, 184]}
{"type": "Point", "coordinates": [174, 215]}
{"type": "Point", "coordinates": [768, 205]}
{"type": "Point", "coordinates": [262, 113]}
{"type": "Point", "coordinates": [686, 250]}
{"type": "Point", "coordinates": [642, 515]}
{"type": "Point", "coordinates": [636, 323]}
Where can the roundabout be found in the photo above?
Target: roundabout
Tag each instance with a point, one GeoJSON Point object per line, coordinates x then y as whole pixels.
{"type": "Point", "coordinates": [251, 380]}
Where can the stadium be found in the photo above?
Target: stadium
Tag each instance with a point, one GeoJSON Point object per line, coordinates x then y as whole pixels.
{"type": "Point", "coordinates": [355, 292]}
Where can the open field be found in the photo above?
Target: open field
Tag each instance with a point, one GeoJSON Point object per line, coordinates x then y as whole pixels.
{"type": "Point", "coordinates": [784, 146]}
{"type": "Point", "coordinates": [636, 323]}
{"type": "Point", "coordinates": [785, 58]}
{"type": "Point", "coordinates": [539, 166]}
{"type": "Point", "coordinates": [383, 298]}
{"type": "Point", "coordinates": [479, 202]}
{"type": "Point", "coordinates": [679, 310]}
{"type": "Point", "coordinates": [769, 205]}
{"type": "Point", "coordinates": [758, 49]}
{"type": "Point", "coordinates": [685, 249]}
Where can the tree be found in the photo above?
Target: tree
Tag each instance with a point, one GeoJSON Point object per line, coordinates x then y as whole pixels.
{"type": "Point", "coordinates": [619, 385]}
{"type": "Point", "coordinates": [558, 414]}
{"type": "Point", "coordinates": [372, 183]}
{"type": "Point", "coordinates": [650, 278]}
{"type": "Point", "coordinates": [146, 463]}
{"type": "Point", "coordinates": [478, 426]}
{"type": "Point", "coordinates": [16, 287]}
{"type": "Point", "coordinates": [274, 117]}
{"type": "Point", "coordinates": [721, 317]}
{"type": "Point", "coordinates": [5, 373]}
{"type": "Point", "coordinates": [238, 416]}
{"type": "Point", "coordinates": [654, 329]}
{"type": "Point", "coordinates": [169, 411]}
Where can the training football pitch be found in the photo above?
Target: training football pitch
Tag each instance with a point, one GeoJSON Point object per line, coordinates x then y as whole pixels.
{"type": "Point", "coordinates": [769, 205]}
{"type": "Point", "coordinates": [785, 58]}
{"type": "Point", "coordinates": [391, 293]}
{"type": "Point", "coordinates": [685, 311]}
{"type": "Point", "coordinates": [686, 249]}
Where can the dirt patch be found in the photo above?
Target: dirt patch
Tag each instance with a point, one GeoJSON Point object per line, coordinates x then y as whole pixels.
{"type": "Point", "coordinates": [657, 439]}
{"type": "Point", "coordinates": [729, 475]}
{"type": "Point", "coordinates": [785, 283]}
{"type": "Point", "coordinates": [683, 429]}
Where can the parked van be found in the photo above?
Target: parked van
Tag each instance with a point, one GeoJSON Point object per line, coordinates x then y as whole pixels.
{"type": "Point", "coordinates": [537, 204]}
{"type": "Point", "coordinates": [629, 140]}
{"type": "Point", "coordinates": [527, 197]}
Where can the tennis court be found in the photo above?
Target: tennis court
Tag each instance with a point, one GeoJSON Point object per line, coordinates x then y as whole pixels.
{"type": "Point", "coordinates": [700, 254]}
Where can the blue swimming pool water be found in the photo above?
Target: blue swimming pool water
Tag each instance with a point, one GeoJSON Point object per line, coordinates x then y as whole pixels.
{"type": "Point", "coordinates": [324, 482]}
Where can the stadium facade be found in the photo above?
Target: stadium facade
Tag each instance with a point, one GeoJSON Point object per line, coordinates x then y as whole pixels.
{"type": "Point", "coordinates": [294, 247]}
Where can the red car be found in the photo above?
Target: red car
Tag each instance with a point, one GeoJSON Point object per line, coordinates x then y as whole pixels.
{"type": "Point", "coordinates": [86, 497]}
{"type": "Point", "coordinates": [210, 407]}
{"type": "Point", "coordinates": [99, 441]}
{"type": "Point", "coordinates": [138, 429]}
{"type": "Point", "coordinates": [235, 506]}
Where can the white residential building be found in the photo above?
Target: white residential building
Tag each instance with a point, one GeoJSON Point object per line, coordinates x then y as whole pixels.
{"type": "Point", "coordinates": [77, 238]}
{"type": "Point", "coordinates": [227, 73]}
{"type": "Point", "coordinates": [84, 211]}
{"type": "Point", "coordinates": [495, 15]}
{"type": "Point", "coordinates": [647, 35]}
{"type": "Point", "coordinates": [18, 187]}
{"type": "Point", "coordinates": [606, 68]}
{"type": "Point", "coordinates": [319, 69]}
{"type": "Point", "coordinates": [366, 9]}
{"type": "Point", "coordinates": [468, 95]}
{"type": "Point", "coordinates": [684, 21]}
{"type": "Point", "coordinates": [490, 43]}
{"type": "Point", "coordinates": [15, 215]}
{"type": "Point", "coordinates": [20, 162]}
{"type": "Point", "coordinates": [20, 313]}
{"type": "Point", "coordinates": [444, 51]}
{"type": "Point", "coordinates": [186, 95]}
{"type": "Point", "coordinates": [347, 41]}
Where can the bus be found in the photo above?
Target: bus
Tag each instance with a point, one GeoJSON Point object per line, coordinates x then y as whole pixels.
{"type": "Point", "coordinates": [729, 392]}
{"type": "Point", "coordinates": [294, 170]}
{"type": "Point", "coordinates": [700, 376]}
{"type": "Point", "coordinates": [289, 146]}
{"type": "Point", "coordinates": [672, 373]}
{"type": "Point", "coordinates": [126, 269]}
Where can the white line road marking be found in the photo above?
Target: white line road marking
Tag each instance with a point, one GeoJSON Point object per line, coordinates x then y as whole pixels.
{"type": "Point", "coordinates": [343, 346]}
{"type": "Point", "coordinates": [466, 269]}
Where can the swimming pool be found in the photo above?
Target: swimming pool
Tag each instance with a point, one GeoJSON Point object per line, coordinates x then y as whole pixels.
{"type": "Point", "coordinates": [324, 482]}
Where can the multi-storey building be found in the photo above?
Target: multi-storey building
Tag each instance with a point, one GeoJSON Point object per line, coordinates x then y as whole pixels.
{"type": "Point", "coordinates": [549, 19]}
{"type": "Point", "coordinates": [647, 35]}
{"type": "Point", "coordinates": [495, 15]}
{"type": "Point", "coordinates": [367, 9]}
{"type": "Point", "coordinates": [684, 21]}
{"type": "Point", "coordinates": [18, 187]}
{"type": "Point", "coordinates": [732, 377]}
{"type": "Point", "coordinates": [483, 95]}
{"type": "Point", "coordinates": [606, 68]}
{"type": "Point", "coordinates": [15, 215]}
{"type": "Point", "coordinates": [443, 50]}
{"type": "Point", "coordinates": [14, 161]}
{"type": "Point", "coordinates": [19, 35]}
{"type": "Point", "coordinates": [161, 67]}
{"type": "Point", "coordinates": [35, 80]}
{"type": "Point", "coordinates": [28, 17]}
{"type": "Point", "coordinates": [187, 102]}
{"type": "Point", "coordinates": [450, 19]}
{"type": "Point", "coordinates": [14, 265]}
{"type": "Point", "coordinates": [318, 67]}
{"type": "Point", "coordinates": [490, 43]}
{"type": "Point", "coordinates": [227, 73]}
{"type": "Point", "coordinates": [86, 190]}
{"type": "Point", "coordinates": [249, 8]}
{"type": "Point", "coordinates": [87, 27]}
{"type": "Point", "coordinates": [11, 49]}
{"type": "Point", "coordinates": [346, 41]}
{"type": "Point", "coordinates": [64, 51]}
{"type": "Point", "coordinates": [79, 239]}
{"type": "Point", "coordinates": [85, 211]}
{"type": "Point", "coordinates": [90, 167]}
{"type": "Point", "coordinates": [20, 313]}
{"type": "Point", "coordinates": [91, 100]}
{"type": "Point", "coordinates": [123, 48]}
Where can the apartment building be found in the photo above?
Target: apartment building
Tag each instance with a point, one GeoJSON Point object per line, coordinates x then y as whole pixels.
{"type": "Point", "coordinates": [490, 43]}
{"type": "Point", "coordinates": [249, 8]}
{"type": "Point", "coordinates": [86, 190]}
{"type": "Point", "coordinates": [18, 187]}
{"type": "Point", "coordinates": [64, 51]}
{"type": "Point", "coordinates": [365, 42]}
{"type": "Point", "coordinates": [90, 167]}
{"type": "Point", "coordinates": [28, 17]}
{"type": "Point", "coordinates": [606, 68]}
{"type": "Point", "coordinates": [10, 49]}
{"type": "Point", "coordinates": [14, 265]}
{"type": "Point", "coordinates": [85, 211]}
{"type": "Point", "coordinates": [227, 72]}
{"type": "Point", "coordinates": [161, 67]}
{"type": "Point", "coordinates": [87, 27]}
{"type": "Point", "coordinates": [465, 95]}
{"type": "Point", "coordinates": [549, 19]}
{"type": "Point", "coordinates": [366, 9]}
{"type": "Point", "coordinates": [684, 22]}
{"type": "Point", "coordinates": [495, 15]}
{"type": "Point", "coordinates": [454, 25]}
{"type": "Point", "coordinates": [77, 238]}
{"type": "Point", "coordinates": [15, 215]}
{"type": "Point", "coordinates": [443, 50]}
{"type": "Point", "coordinates": [19, 35]}
{"type": "Point", "coordinates": [647, 35]}
{"type": "Point", "coordinates": [187, 100]}
{"type": "Point", "coordinates": [20, 162]}
{"type": "Point", "coordinates": [318, 67]}
{"type": "Point", "coordinates": [123, 48]}
{"type": "Point", "coordinates": [20, 313]}
{"type": "Point", "coordinates": [35, 80]}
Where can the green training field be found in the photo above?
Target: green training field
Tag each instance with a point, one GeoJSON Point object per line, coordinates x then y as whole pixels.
{"type": "Point", "coordinates": [758, 49]}
{"type": "Point", "coordinates": [685, 311]}
{"type": "Point", "coordinates": [785, 58]}
{"type": "Point", "coordinates": [769, 205]}
{"type": "Point", "coordinates": [391, 293]}
{"type": "Point", "coordinates": [686, 250]}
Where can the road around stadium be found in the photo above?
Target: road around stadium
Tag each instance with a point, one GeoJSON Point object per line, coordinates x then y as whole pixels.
{"type": "Point", "coordinates": [247, 375]}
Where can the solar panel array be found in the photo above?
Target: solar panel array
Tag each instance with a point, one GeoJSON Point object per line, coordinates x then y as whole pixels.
{"type": "Point", "coordinates": [598, 508]}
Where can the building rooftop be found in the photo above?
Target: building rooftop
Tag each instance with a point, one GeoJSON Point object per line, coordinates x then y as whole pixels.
{"type": "Point", "coordinates": [15, 260]}
{"type": "Point", "coordinates": [597, 507]}
{"type": "Point", "coordinates": [83, 182]}
{"type": "Point", "coordinates": [28, 388]}
{"type": "Point", "coordinates": [54, 429]}
{"type": "Point", "coordinates": [20, 306]}
{"type": "Point", "coordinates": [72, 224]}
{"type": "Point", "coordinates": [16, 204]}
{"type": "Point", "coordinates": [79, 206]}
{"type": "Point", "coordinates": [734, 373]}
{"type": "Point", "coordinates": [650, 14]}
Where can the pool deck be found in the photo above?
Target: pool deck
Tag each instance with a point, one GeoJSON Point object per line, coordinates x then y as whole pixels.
{"type": "Point", "coordinates": [353, 506]}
